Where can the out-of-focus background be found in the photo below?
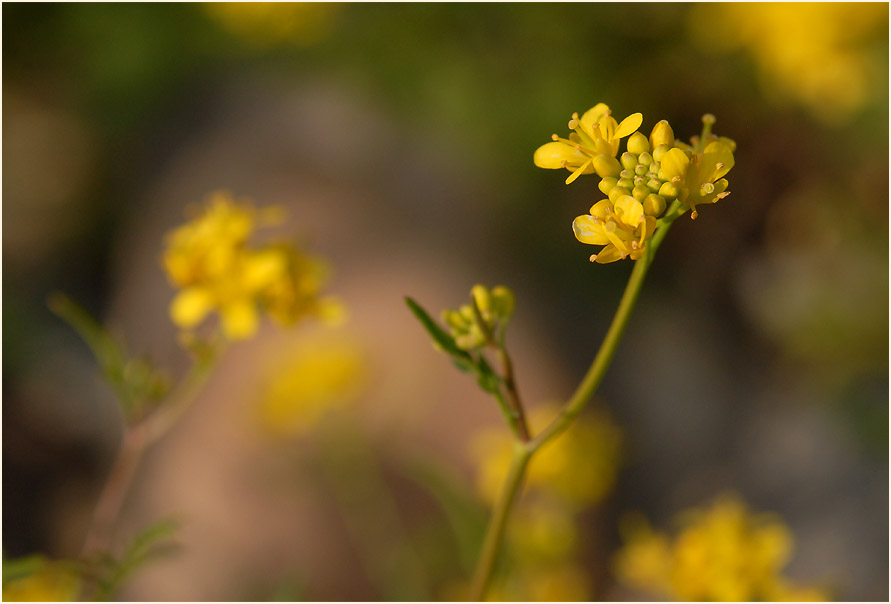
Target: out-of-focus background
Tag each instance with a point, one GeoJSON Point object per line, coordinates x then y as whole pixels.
{"type": "Point", "coordinates": [400, 138]}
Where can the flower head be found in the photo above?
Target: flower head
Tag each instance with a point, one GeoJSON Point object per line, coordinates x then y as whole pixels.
{"type": "Point", "coordinates": [591, 147]}
{"type": "Point", "coordinates": [722, 553]}
{"type": "Point", "coordinates": [210, 261]}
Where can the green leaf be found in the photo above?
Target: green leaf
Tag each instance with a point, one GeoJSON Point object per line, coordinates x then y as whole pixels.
{"type": "Point", "coordinates": [146, 545]}
{"type": "Point", "coordinates": [134, 381]}
{"type": "Point", "coordinates": [487, 379]}
{"type": "Point", "coordinates": [440, 337]}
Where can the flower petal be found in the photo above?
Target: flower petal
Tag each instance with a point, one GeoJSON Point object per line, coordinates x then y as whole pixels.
{"type": "Point", "coordinates": [674, 163]}
{"type": "Point", "coordinates": [190, 307]}
{"type": "Point", "coordinates": [239, 319]}
{"type": "Point", "coordinates": [629, 125]}
{"type": "Point", "coordinates": [588, 231]}
{"type": "Point", "coordinates": [716, 153]}
{"type": "Point", "coordinates": [553, 155]}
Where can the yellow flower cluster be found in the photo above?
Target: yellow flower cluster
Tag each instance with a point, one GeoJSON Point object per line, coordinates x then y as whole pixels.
{"type": "Point", "coordinates": [722, 553]}
{"type": "Point", "coordinates": [322, 372]}
{"type": "Point", "coordinates": [496, 307]}
{"type": "Point", "coordinates": [820, 54]}
{"type": "Point", "coordinates": [579, 467]}
{"type": "Point", "coordinates": [651, 174]}
{"type": "Point", "coordinates": [210, 261]}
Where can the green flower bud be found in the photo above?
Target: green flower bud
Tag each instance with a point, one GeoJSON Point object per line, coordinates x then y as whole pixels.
{"type": "Point", "coordinates": [483, 299]}
{"type": "Point", "coordinates": [653, 185]}
{"type": "Point", "coordinates": [503, 302]}
{"type": "Point", "coordinates": [639, 181]}
{"type": "Point", "coordinates": [640, 192]}
{"type": "Point", "coordinates": [637, 143]}
{"type": "Point", "coordinates": [626, 174]}
{"type": "Point", "coordinates": [660, 151]}
{"type": "Point", "coordinates": [618, 192]}
{"type": "Point", "coordinates": [654, 205]}
{"type": "Point", "coordinates": [606, 165]}
{"type": "Point", "coordinates": [629, 160]}
{"type": "Point", "coordinates": [606, 185]}
{"type": "Point", "coordinates": [625, 183]}
{"type": "Point", "coordinates": [644, 158]}
{"type": "Point", "coordinates": [669, 190]}
{"type": "Point", "coordinates": [640, 169]}
{"type": "Point", "coordinates": [662, 134]}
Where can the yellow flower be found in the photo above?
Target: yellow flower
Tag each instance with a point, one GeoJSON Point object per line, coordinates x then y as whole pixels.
{"type": "Point", "coordinates": [210, 262]}
{"type": "Point", "coordinates": [267, 23]}
{"type": "Point", "coordinates": [621, 227]}
{"type": "Point", "coordinates": [698, 177]}
{"type": "Point", "coordinates": [323, 372]}
{"type": "Point", "coordinates": [722, 553]}
{"type": "Point", "coordinates": [52, 581]}
{"type": "Point", "coordinates": [579, 467]}
{"type": "Point", "coordinates": [496, 307]}
{"type": "Point", "coordinates": [591, 147]}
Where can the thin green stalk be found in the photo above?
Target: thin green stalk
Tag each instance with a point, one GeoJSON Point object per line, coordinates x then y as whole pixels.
{"type": "Point", "coordinates": [495, 531]}
{"type": "Point", "coordinates": [571, 410]}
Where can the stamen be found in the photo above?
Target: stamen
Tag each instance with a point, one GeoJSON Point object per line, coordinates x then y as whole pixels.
{"type": "Point", "coordinates": [723, 195]}
{"type": "Point", "coordinates": [593, 257]}
{"type": "Point", "coordinates": [634, 245]}
{"type": "Point", "coordinates": [554, 137]}
{"type": "Point", "coordinates": [585, 150]}
{"type": "Point", "coordinates": [676, 179]}
{"type": "Point", "coordinates": [694, 215]}
{"type": "Point", "coordinates": [573, 124]}
{"type": "Point", "coordinates": [719, 165]}
{"type": "Point", "coordinates": [575, 115]}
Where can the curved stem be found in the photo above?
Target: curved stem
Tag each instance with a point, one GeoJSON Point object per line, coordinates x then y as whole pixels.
{"type": "Point", "coordinates": [495, 532]}
{"type": "Point", "coordinates": [136, 440]}
{"type": "Point", "coordinates": [571, 410]}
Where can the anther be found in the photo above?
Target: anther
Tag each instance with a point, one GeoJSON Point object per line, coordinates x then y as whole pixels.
{"type": "Point", "coordinates": [575, 116]}
{"type": "Point", "coordinates": [573, 124]}
{"type": "Point", "coordinates": [709, 119]}
{"type": "Point", "coordinates": [694, 215]}
{"type": "Point", "coordinates": [719, 165]}
{"type": "Point", "coordinates": [676, 179]}
{"type": "Point", "coordinates": [593, 257]}
{"type": "Point", "coordinates": [554, 137]}
{"type": "Point", "coordinates": [723, 195]}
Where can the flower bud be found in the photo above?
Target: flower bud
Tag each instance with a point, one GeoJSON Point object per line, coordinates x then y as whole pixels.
{"type": "Point", "coordinates": [606, 165]}
{"type": "Point", "coordinates": [617, 192]}
{"type": "Point", "coordinates": [606, 185]}
{"type": "Point", "coordinates": [625, 183]}
{"type": "Point", "coordinates": [653, 184]}
{"type": "Point", "coordinates": [637, 143]}
{"type": "Point", "coordinates": [640, 192]}
{"type": "Point", "coordinates": [483, 299]}
{"type": "Point", "coordinates": [626, 174]}
{"type": "Point", "coordinates": [660, 151]}
{"type": "Point", "coordinates": [503, 302]}
{"type": "Point", "coordinates": [640, 169]}
{"type": "Point", "coordinates": [669, 190]}
{"type": "Point", "coordinates": [629, 161]}
{"type": "Point", "coordinates": [654, 205]}
{"type": "Point", "coordinates": [662, 134]}
{"type": "Point", "coordinates": [645, 159]}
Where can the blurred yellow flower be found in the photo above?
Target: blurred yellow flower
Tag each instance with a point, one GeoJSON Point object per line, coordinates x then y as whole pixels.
{"type": "Point", "coordinates": [722, 553]}
{"type": "Point", "coordinates": [591, 147]}
{"type": "Point", "coordinates": [566, 582]}
{"type": "Point", "coordinates": [324, 371]}
{"type": "Point", "coordinates": [51, 582]}
{"type": "Point", "coordinates": [266, 23]}
{"type": "Point", "coordinates": [208, 259]}
{"type": "Point", "coordinates": [579, 467]}
{"type": "Point", "coordinates": [815, 53]}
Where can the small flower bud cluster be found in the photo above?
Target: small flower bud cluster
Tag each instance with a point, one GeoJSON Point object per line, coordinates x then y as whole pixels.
{"type": "Point", "coordinates": [495, 308]}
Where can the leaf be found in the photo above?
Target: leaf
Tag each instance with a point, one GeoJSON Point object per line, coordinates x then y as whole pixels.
{"type": "Point", "coordinates": [148, 544]}
{"type": "Point", "coordinates": [134, 381]}
{"type": "Point", "coordinates": [487, 379]}
{"type": "Point", "coordinates": [440, 337]}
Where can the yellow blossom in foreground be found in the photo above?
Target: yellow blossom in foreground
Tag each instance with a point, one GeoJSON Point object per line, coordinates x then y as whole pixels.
{"type": "Point", "coordinates": [579, 466]}
{"type": "Point", "coordinates": [211, 262]}
{"type": "Point", "coordinates": [722, 553]}
{"type": "Point", "coordinates": [325, 371]}
{"type": "Point", "coordinates": [591, 147]}
{"type": "Point", "coordinates": [52, 582]}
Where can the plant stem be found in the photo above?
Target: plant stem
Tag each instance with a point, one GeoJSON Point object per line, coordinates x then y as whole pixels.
{"type": "Point", "coordinates": [495, 531]}
{"type": "Point", "coordinates": [513, 396]}
{"type": "Point", "coordinates": [571, 410]}
{"type": "Point", "coordinates": [136, 441]}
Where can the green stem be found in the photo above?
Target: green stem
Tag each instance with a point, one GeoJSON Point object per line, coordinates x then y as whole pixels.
{"type": "Point", "coordinates": [495, 531]}
{"type": "Point", "coordinates": [583, 393]}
